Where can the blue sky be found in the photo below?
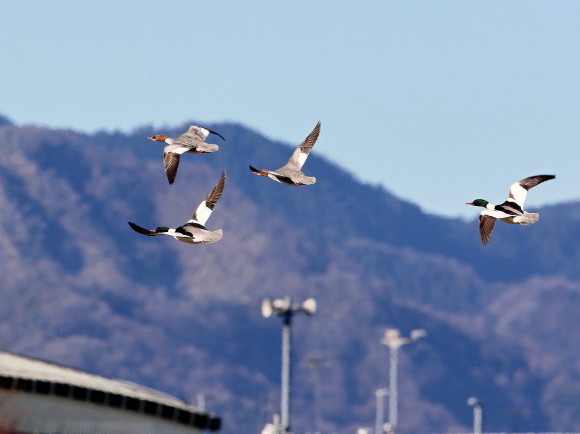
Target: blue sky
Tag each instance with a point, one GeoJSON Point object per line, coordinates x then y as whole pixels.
{"type": "Point", "coordinates": [441, 102]}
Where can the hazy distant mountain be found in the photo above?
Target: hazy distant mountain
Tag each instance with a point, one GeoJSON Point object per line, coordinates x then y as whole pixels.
{"type": "Point", "coordinates": [4, 121]}
{"type": "Point", "coordinates": [81, 288]}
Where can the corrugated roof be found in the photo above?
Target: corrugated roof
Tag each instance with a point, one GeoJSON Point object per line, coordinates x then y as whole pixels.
{"type": "Point", "coordinates": [25, 368]}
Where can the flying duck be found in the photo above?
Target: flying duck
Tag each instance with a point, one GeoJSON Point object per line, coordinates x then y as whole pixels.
{"type": "Point", "coordinates": [512, 210]}
{"type": "Point", "coordinates": [291, 173]}
{"type": "Point", "coordinates": [191, 142]}
{"type": "Point", "coordinates": [194, 231]}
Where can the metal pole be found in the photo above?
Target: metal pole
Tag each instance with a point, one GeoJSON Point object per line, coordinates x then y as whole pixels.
{"type": "Point", "coordinates": [285, 309]}
{"type": "Point", "coordinates": [380, 417]}
{"type": "Point", "coordinates": [394, 341]}
{"type": "Point", "coordinates": [394, 361]}
{"type": "Point", "coordinates": [477, 414]}
{"type": "Point", "coordinates": [477, 419]}
{"type": "Point", "coordinates": [286, 370]}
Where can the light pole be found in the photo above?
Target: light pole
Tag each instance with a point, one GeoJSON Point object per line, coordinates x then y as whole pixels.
{"type": "Point", "coordinates": [477, 414]}
{"type": "Point", "coordinates": [380, 418]}
{"type": "Point", "coordinates": [284, 308]}
{"type": "Point", "coordinates": [394, 341]}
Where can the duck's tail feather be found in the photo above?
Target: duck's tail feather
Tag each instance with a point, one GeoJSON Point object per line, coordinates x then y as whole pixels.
{"type": "Point", "coordinates": [214, 237]}
{"type": "Point", "coordinates": [527, 218]}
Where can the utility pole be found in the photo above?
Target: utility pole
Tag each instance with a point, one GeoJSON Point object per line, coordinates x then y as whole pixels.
{"type": "Point", "coordinates": [380, 417]}
{"type": "Point", "coordinates": [477, 414]}
{"type": "Point", "coordinates": [394, 341]}
{"type": "Point", "coordinates": [286, 309]}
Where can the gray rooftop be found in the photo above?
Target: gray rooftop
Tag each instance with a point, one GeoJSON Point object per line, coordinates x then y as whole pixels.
{"type": "Point", "coordinates": [40, 377]}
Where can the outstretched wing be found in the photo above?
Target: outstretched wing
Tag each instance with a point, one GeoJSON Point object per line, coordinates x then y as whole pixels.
{"type": "Point", "coordinates": [300, 154]}
{"type": "Point", "coordinates": [171, 154]}
{"type": "Point", "coordinates": [197, 133]}
{"type": "Point", "coordinates": [487, 219]}
{"type": "Point", "coordinates": [141, 230]}
{"type": "Point", "coordinates": [171, 163]}
{"type": "Point", "coordinates": [519, 190]}
{"type": "Point", "coordinates": [205, 208]}
{"type": "Point", "coordinates": [486, 224]}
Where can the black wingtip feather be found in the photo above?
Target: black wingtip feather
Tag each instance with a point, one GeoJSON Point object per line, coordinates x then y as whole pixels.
{"type": "Point", "coordinates": [532, 181]}
{"type": "Point", "coordinates": [140, 230]}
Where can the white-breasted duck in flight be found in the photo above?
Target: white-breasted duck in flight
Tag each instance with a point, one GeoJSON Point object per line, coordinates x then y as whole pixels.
{"type": "Point", "coordinates": [291, 173]}
{"type": "Point", "coordinates": [512, 210]}
{"type": "Point", "coordinates": [194, 231]}
{"type": "Point", "coordinates": [191, 142]}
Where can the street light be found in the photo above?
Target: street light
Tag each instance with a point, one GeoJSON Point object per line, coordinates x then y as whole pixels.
{"type": "Point", "coordinates": [284, 308]}
{"type": "Point", "coordinates": [380, 418]}
{"type": "Point", "coordinates": [394, 341]}
{"type": "Point", "coordinates": [477, 414]}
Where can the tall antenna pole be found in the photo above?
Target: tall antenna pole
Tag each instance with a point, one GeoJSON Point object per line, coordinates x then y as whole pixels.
{"type": "Point", "coordinates": [394, 341]}
{"type": "Point", "coordinates": [393, 387]}
{"type": "Point", "coordinates": [286, 368]}
{"type": "Point", "coordinates": [477, 414]}
{"type": "Point", "coordinates": [380, 417]}
{"type": "Point", "coordinates": [284, 308]}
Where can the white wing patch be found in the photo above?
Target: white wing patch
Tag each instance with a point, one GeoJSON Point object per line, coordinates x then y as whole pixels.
{"type": "Point", "coordinates": [302, 156]}
{"type": "Point", "coordinates": [205, 208]}
{"type": "Point", "coordinates": [297, 158]}
{"type": "Point", "coordinates": [202, 214]}
{"type": "Point", "coordinates": [518, 194]}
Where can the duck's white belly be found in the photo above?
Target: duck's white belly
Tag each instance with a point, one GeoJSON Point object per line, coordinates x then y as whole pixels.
{"type": "Point", "coordinates": [509, 220]}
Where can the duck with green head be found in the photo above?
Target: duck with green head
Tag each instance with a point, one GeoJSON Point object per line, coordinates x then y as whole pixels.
{"type": "Point", "coordinates": [194, 231]}
{"type": "Point", "coordinates": [512, 210]}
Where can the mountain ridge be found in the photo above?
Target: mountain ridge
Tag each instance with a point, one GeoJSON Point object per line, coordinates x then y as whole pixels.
{"type": "Point", "coordinates": [81, 288]}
